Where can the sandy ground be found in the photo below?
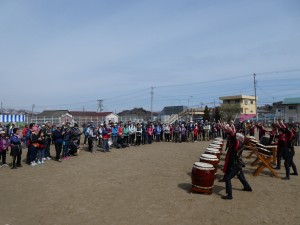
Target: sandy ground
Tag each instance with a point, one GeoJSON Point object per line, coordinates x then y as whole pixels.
{"type": "Point", "coordinates": [141, 185]}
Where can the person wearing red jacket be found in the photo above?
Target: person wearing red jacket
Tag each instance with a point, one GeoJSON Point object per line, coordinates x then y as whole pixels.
{"type": "Point", "coordinates": [24, 132]}
{"type": "Point", "coordinates": [106, 132]}
{"type": "Point", "coordinates": [196, 130]}
{"type": "Point", "coordinates": [150, 133]}
{"type": "Point", "coordinates": [281, 146]}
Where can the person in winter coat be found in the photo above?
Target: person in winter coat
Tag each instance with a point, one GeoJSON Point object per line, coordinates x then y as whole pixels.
{"type": "Point", "coordinates": [16, 148]}
{"type": "Point", "coordinates": [57, 138]}
{"type": "Point", "coordinates": [4, 144]}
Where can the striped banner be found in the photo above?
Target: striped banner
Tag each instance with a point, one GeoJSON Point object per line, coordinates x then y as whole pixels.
{"type": "Point", "coordinates": [12, 118]}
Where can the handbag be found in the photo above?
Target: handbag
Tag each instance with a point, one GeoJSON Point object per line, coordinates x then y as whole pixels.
{"type": "Point", "coordinates": [36, 145]}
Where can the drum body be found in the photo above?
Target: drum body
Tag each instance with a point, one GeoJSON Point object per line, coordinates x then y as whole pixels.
{"type": "Point", "coordinates": [202, 178]}
{"type": "Point", "coordinates": [247, 141]}
{"type": "Point", "coordinates": [259, 145]}
{"type": "Point", "coordinates": [213, 151]}
{"type": "Point", "coordinates": [265, 152]}
{"type": "Point", "coordinates": [211, 159]}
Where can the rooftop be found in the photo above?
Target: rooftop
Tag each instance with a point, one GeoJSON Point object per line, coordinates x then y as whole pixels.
{"type": "Point", "coordinates": [291, 101]}
{"type": "Point", "coordinates": [89, 113]}
{"type": "Point", "coordinates": [237, 97]}
{"type": "Point", "coordinates": [53, 113]}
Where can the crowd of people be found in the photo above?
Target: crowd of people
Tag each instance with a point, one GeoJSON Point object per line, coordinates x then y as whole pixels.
{"type": "Point", "coordinates": [121, 135]}
{"type": "Point", "coordinates": [66, 137]}
{"type": "Point", "coordinates": [37, 139]}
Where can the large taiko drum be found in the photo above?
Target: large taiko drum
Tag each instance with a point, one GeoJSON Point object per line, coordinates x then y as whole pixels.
{"type": "Point", "coordinates": [215, 146]}
{"type": "Point", "coordinates": [203, 177]}
{"type": "Point", "coordinates": [218, 143]}
{"type": "Point", "coordinates": [248, 140]}
{"type": "Point", "coordinates": [213, 151]}
{"type": "Point", "coordinates": [211, 159]}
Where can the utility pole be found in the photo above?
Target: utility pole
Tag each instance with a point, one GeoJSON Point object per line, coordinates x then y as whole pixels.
{"type": "Point", "coordinates": [83, 108]}
{"type": "Point", "coordinates": [152, 93]}
{"type": "Point", "coordinates": [254, 75]}
{"type": "Point", "coordinates": [1, 107]}
{"type": "Point", "coordinates": [32, 109]}
{"type": "Point", "coordinates": [100, 105]}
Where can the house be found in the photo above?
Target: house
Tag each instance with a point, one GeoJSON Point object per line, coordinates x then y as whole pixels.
{"type": "Point", "coordinates": [170, 113]}
{"type": "Point", "coordinates": [291, 109]}
{"type": "Point", "coordinates": [135, 115]}
{"type": "Point", "coordinates": [245, 104]}
{"type": "Point", "coordinates": [84, 117]}
{"type": "Point", "coordinates": [80, 117]}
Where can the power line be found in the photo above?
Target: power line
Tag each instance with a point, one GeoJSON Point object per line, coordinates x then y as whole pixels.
{"type": "Point", "coordinates": [277, 72]}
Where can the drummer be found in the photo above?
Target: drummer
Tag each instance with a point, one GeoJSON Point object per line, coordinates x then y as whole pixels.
{"type": "Point", "coordinates": [289, 151]}
{"type": "Point", "coordinates": [233, 164]}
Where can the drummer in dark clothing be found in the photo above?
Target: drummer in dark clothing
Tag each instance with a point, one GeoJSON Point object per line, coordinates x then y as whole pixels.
{"type": "Point", "coordinates": [289, 150]}
{"type": "Point", "coordinates": [233, 164]}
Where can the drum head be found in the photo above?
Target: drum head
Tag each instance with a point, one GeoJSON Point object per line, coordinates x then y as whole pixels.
{"type": "Point", "coordinates": [260, 145]}
{"type": "Point", "coordinates": [215, 145]}
{"type": "Point", "coordinates": [208, 156]}
{"type": "Point", "coordinates": [203, 165]}
{"type": "Point", "coordinates": [213, 150]}
{"type": "Point", "coordinates": [250, 137]}
{"type": "Point", "coordinates": [218, 139]}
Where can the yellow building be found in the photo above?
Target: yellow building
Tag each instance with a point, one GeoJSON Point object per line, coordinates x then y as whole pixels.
{"type": "Point", "coordinates": [245, 102]}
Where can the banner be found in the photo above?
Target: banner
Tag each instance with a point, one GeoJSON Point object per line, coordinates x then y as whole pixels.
{"type": "Point", "coordinates": [12, 118]}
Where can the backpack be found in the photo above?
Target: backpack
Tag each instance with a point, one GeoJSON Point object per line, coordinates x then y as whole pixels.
{"type": "Point", "coordinates": [75, 132]}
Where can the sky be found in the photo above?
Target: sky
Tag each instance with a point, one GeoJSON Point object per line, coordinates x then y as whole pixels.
{"type": "Point", "coordinates": [67, 54]}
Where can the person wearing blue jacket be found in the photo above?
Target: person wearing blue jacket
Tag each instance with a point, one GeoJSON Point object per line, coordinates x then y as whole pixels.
{"type": "Point", "coordinates": [157, 131]}
{"type": "Point", "coordinates": [16, 149]}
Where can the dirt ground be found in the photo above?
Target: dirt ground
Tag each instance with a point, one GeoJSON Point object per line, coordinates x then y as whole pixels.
{"type": "Point", "coordinates": [146, 185]}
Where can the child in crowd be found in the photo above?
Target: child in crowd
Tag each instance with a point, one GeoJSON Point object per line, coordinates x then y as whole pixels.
{"type": "Point", "coordinates": [4, 143]}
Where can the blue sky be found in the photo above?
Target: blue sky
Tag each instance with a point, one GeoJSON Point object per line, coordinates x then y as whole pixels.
{"type": "Point", "coordinates": [67, 54]}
